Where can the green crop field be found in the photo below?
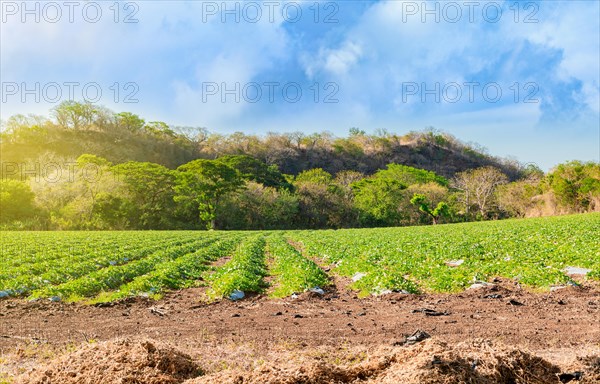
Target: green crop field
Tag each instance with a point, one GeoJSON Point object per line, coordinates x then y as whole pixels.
{"type": "Point", "coordinates": [105, 266]}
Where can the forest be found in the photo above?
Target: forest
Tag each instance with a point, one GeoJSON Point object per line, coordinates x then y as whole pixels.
{"type": "Point", "coordinates": [86, 167]}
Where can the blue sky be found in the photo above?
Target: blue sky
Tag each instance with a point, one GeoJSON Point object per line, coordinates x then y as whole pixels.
{"type": "Point", "coordinates": [521, 79]}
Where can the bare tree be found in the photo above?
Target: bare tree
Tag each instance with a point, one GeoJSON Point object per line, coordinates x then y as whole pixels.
{"type": "Point", "coordinates": [478, 187]}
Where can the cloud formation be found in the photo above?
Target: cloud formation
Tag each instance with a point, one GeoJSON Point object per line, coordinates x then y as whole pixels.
{"type": "Point", "coordinates": [398, 65]}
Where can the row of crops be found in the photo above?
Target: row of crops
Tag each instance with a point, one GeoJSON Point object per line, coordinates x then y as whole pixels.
{"type": "Point", "coordinates": [106, 266]}
{"type": "Point", "coordinates": [534, 252]}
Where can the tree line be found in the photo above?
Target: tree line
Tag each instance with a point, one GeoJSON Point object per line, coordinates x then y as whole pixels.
{"type": "Point", "coordinates": [86, 167]}
{"type": "Point", "coordinates": [241, 192]}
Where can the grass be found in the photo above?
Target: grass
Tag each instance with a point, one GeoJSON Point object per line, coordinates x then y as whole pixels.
{"type": "Point", "coordinates": [105, 266]}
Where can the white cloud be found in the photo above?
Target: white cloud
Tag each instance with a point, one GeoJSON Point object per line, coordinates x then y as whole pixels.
{"type": "Point", "coordinates": [385, 49]}
{"type": "Point", "coordinates": [336, 62]}
{"type": "Point", "coordinates": [576, 32]}
{"type": "Point", "coordinates": [171, 52]}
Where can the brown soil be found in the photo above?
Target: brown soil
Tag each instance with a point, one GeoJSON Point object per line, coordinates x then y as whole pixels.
{"type": "Point", "coordinates": [429, 362]}
{"type": "Point", "coordinates": [122, 361]}
{"type": "Point", "coordinates": [315, 339]}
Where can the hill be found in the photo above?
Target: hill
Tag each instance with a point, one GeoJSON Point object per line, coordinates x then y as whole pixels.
{"type": "Point", "coordinates": [74, 129]}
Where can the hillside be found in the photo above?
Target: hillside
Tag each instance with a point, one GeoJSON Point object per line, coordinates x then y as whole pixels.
{"type": "Point", "coordinates": [74, 129]}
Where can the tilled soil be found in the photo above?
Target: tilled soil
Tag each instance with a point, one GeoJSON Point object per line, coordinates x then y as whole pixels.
{"type": "Point", "coordinates": [558, 326]}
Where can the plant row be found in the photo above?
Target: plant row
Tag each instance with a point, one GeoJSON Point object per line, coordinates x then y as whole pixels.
{"type": "Point", "coordinates": [175, 274]}
{"type": "Point", "coordinates": [30, 248]}
{"type": "Point", "coordinates": [243, 272]}
{"type": "Point", "coordinates": [294, 273]}
{"type": "Point", "coordinates": [112, 277]}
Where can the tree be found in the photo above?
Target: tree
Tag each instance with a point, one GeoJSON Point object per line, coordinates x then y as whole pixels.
{"type": "Point", "coordinates": [84, 196]}
{"type": "Point", "coordinates": [150, 192]}
{"type": "Point", "coordinates": [355, 131]}
{"type": "Point", "coordinates": [77, 116]}
{"type": "Point", "coordinates": [410, 175]}
{"type": "Point", "coordinates": [517, 198]}
{"type": "Point", "coordinates": [203, 183]}
{"type": "Point", "coordinates": [258, 207]}
{"type": "Point", "coordinates": [159, 129]}
{"type": "Point", "coordinates": [253, 169]}
{"type": "Point", "coordinates": [129, 121]}
{"type": "Point", "coordinates": [439, 211]}
{"type": "Point", "coordinates": [16, 201]}
{"type": "Point", "coordinates": [316, 176]}
{"type": "Point", "coordinates": [478, 187]}
{"type": "Point", "coordinates": [576, 185]}
{"type": "Point", "coordinates": [378, 200]}
{"type": "Point", "coordinates": [112, 211]}
{"type": "Point", "coordinates": [434, 195]}
{"type": "Point", "coordinates": [381, 198]}
{"type": "Point", "coordinates": [321, 201]}
{"type": "Point", "coordinates": [93, 176]}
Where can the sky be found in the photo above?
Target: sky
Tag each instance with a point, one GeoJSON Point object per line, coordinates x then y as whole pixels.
{"type": "Point", "coordinates": [521, 78]}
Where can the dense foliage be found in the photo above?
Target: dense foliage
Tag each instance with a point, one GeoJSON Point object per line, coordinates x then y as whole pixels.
{"type": "Point", "coordinates": [89, 168]}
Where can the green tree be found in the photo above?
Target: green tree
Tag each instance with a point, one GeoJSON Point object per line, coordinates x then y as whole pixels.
{"type": "Point", "coordinates": [129, 121]}
{"type": "Point", "coordinates": [258, 207]}
{"type": "Point", "coordinates": [576, 185]}
{"type": "Point", "coordinates": [381, 198]}
{"type": "Point", "coordinates": [112, 211]}
{"type": "Point", "coordinates": [378, 200]}
{"type": "Point", "coordinates": [316, 176]}
{"type": "Point", "coordinates": [159, 129]}
{"type": "Point", "coordinates": [150, 191]}
{"type": "Point", "coordinates": [410, 175]}
{"type": "Point", "coordinates": [252, 169]}
{"type": "Point", "coordinates": [16, 201]}
{"type": "Point", "coordinates": [77, 116]}
{"type": "Point", "coordinates": [436, 213]}
{"type": "Point", "coordinates": [321, 201]}
{"type": "Point", "coordinates": [434, 194]}
{"type": "Point", "coordinates": [203, 183]}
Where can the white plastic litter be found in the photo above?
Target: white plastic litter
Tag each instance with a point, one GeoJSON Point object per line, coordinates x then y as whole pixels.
{"type": "Point", "coordinates": [237, 295]}
{"type": "Point", "coordinates": [317, 290]}
{"type": "Point", "coordinates": [294, 296]}
{"type": "Point", "coordinates": [358, 275]}
{"type": "Point", "coordinates": [557, 288]}
{"type": "Point", "coordinates": [577, 271]}
{"type": "Point", "coordinates": [480, 285]}
{"type": "Point", "coordinates": [454, 263]}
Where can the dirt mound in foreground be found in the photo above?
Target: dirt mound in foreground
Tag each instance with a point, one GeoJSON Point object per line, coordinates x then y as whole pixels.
{"type": "Point", "coordinates": [426, 363]}
{"type": "Point", "coordinates": [121, 361]}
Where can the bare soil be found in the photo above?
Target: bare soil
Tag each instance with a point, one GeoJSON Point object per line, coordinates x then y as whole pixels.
{"type": "Point", "coordinates": [497, 334]}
